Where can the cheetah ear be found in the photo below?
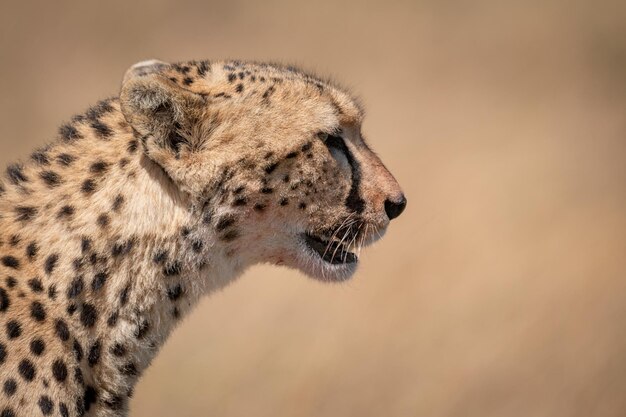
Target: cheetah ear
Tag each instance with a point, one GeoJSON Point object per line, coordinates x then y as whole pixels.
{"type": "Point", "coordinates": [155, 105]}
{"type": "Point", "coordinates": [167, 116]}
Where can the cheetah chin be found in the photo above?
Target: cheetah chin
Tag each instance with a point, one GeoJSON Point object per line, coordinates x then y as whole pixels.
{"type": "Point", "coordinates": [334, 256]}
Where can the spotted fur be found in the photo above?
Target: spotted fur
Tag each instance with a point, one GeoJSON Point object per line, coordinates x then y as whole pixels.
{"type": "Point", "coordinates": [152, 199]}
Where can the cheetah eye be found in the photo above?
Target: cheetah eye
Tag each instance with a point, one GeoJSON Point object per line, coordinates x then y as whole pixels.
{"type": "Point", "coordinates": [337, 148]}
{"type": "Point", "coordinates": [323, 136]}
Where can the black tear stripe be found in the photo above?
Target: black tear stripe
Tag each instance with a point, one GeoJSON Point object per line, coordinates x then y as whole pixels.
{"type": "Point", "coordinates": [354, 201]}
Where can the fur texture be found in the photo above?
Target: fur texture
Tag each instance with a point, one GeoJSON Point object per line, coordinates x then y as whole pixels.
{"type": "Point", "coordinates": [153, 199]}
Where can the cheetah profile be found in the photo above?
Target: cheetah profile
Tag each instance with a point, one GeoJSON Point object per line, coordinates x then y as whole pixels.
{"type": "Point", "coordinates": [150, 200]}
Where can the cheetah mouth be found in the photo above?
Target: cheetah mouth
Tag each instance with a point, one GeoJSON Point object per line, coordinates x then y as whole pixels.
{"type": "Point", "coordinates": [333, 251]}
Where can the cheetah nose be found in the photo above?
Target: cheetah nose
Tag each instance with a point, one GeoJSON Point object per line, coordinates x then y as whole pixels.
{"type": "Point", "coordinates": [394, 208]}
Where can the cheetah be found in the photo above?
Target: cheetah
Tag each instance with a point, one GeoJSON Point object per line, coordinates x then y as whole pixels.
{"type": "Point", "coordinates": [161, 195]}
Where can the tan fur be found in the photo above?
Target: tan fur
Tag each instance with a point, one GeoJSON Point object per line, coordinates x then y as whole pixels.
{"type": "Point", "coordinates": [152, 200]}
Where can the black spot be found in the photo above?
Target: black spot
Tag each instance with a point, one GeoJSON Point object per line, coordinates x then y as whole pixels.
{"type": "Point", "coordinates": [302, 205]}
{"type": "Point", "coordinates": [142, 330]}
{"type": "Point", "coordinates": [239, 88]}
{"type": "Point", "coordinates": [115, 402]}
{"type": "Point", "coordinates": [11, 282]}
{"type": "Point", "coordinates": [3, 353]}
{"type": "Point", "coordinates": [101, 130]}
{"type": "Point", "coordinates": [65, 159]}
{"type": "Point", "coordinates": [66, 211]}
{"type": "Point", "coordinates": [37, 346]}
{"type": "Point", "coordinates": [270, 168]}
{"type": "Point", "coordinates": [197, 246]}
{"type": "Point", "coordinates": [78, 263]}
{"type": "Point", "coordinates": [14, 329]}
{"type": "Point", "coordinates": [230, 235]}
{"type": "Point", "coordinates": [98, 167]}
{"type": "Point", "coordinates": [88, 315]}
{"type": "Point", "coordinates": [240, 201]}
{"type": "Point", "coordinates": [172, 269]}
{"type": "Point", "coordinates": [90, 397]}
{"type": "Point", "coordinates": [69, 133]}
{"type": "Point", "coordinates": [37, 311]}
{"type": "Point", "coordinates": [283, 201]}
{"type": "Point", "coordinates": [62, 330]}
{"type": "Point", "coordinates": [9, 387]}
{"type": "Point", "coordinates": [76, 287]}
{"type": "Point", "coordinates": [174, 293]}
{"type": "Point", "coordinates": [117, 203]}
{"type": "Point", "coordinates": [85, 244]}
{"type": "Point", "coordinates": [98, 281]}
{"type": "Point", "coordinates": [52, 292]}
{"type": "Point", "coordinates": [160, 257]}
{"type": "Point", "coordinates": [267, 190]}
{"type": "Point", "coordinates": [112, 320]}
{"type": "Point", "coordinates": [187, 80]}
{"type": "Point", "coordinates": [224, 223]}
{"type": "Point", "coordinates": [27, 370]}
{"type": "Point", "coordinates": [118, 350]}
{"type": "Point", "coordinates": [35, 285]}
{"type": "Point", "coordinates": [124, 295]}
{"type": "Point", "coordinates": [7, 412]}
{"type": "Point", "coordinates": [128, 369]}
{"type": "Point", "coordinates": [45, 405]}
{"type": "Point", "coordinates": [71, 309]}
{"type": "Point", "coordinates": [59, 370]}
{"type": "Point", "coordinates": [15, 174]}
{"type": "Point", "coordinates": [259, 207]}
{"type": "Point", "coordinates": [122, 248]}
{"type": "Point", "coordinates": [10, 262]}
{"type": "Point", "coordinates": [101, 108]}
{"type": "Point", "coordinates": [88, 186]}
{"type": "Point", "coordinates": [5, 302]}
{"type": "Point", "coordinates": [31, 250]}
{"type": "Point", "coordinates": [63, 410]}
{"type": "Point", "coordinates": [51, 178]}
{"type": "Point", "coordinates": [232, 77]}
{"type": "Point", "coordinates": [40, 157]}
{"type": "Point", "coordinates": [203, 68]}
{"type": "Point", "coordinates": [78, 376]}
{"type": "Point", "coordinates": [94, 354]}
{"type": "Point", "coordinates": [25, 213]}
{"type": "Point", "coordinates": [103, 220]}
{"type": "Point", "coordinates": [51, 263]}
{"type": "Point", "coordinates": [14, 240]}
{"type": "Point", "coordinates": [268, 93]}
{"type": "Point", "coordinates": [176, 313]}
{"type": "Point", "coordinates": [78, 351]}
{"type": "Point", "coordinates": [292, 154]}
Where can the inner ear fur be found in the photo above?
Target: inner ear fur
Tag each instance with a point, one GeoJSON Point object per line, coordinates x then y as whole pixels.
{"type": "Point", "coordinates": [167, 117]}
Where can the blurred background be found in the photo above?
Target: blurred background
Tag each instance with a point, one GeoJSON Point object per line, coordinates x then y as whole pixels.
{"type": "Point", "coordinates": [502, 289]}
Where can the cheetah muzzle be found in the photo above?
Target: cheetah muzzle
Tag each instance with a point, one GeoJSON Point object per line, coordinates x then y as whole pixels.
{"type": "Point", "coordinates": [152, 199]}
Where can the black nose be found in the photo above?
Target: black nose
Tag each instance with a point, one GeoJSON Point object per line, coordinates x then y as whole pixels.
{"type": "Point", "coordinates": [395, 208]}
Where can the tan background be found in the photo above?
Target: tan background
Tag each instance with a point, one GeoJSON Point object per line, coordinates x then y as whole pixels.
{"type": "Point", "coordinates": [502, 289]}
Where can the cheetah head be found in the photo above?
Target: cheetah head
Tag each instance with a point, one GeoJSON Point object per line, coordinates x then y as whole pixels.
{"type": "Point", "coordinates": [272, 158]}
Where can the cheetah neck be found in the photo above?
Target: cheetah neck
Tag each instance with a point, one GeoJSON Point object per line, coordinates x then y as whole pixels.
{"type": "Point", "coordinates": [115, 252]}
